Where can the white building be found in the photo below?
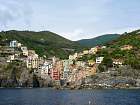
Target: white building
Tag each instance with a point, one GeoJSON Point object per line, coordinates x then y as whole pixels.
{"type": "Point", "coordinates": [66, 64]}
{"type": "Point", "coordinates": [44, 70]}
{"type": "Point", "coordinates": [103, 47]}
{"type": "Point", "coordinates": [73, 57]}
{"type": "Point", "coordinates": [13, 43]}
{"type": "Point", "coordinates": [117, 61]}
{"type": "Point", "coordinates": [80, 63]}
{"type": "Point", "coordinates": [11, 58]}
{"type": "Point", "coordinates": [19, 45]}
{"type": "Point", "coordinates": [66, 68]}
{"type": "Point", "coordinates": [99, 60]}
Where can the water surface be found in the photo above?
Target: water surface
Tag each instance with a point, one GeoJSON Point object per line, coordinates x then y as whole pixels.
{"type": "Point", "coordinates": [42, 96]}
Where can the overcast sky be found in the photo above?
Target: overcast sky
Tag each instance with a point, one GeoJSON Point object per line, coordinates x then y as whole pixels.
{"type": "Point", "coordinates": [73, 19]}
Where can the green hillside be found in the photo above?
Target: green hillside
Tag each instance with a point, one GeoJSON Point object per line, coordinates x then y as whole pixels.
{"type": "Point", "coordinates": [44, 42]}
{"type": "Point", "coordinates": [124, 49]}
{"type": "Point", "coordinates": [132, 38]}
{"type": "Point", "coordinates": [129, 57]}
{"type": "Point", "coordinates": [98, 40]}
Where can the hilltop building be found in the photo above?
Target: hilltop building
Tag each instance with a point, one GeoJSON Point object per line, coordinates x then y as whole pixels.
{"type": "Point", "coordinates": [13, 43]}
{"type": "Point", "coordinates": [11, 58]}
{"type": "Point", "coordinates": [93, 50]}
{"type": "Point", "coordinates": [32, 60]}
{"type": "Point", "coordinates": [91, 62]}
{"type": "Point", "coordinates": [24, 51]}
{"type": "Point", "coordinates": [80, 64]}
{"type": "Point", "coordinates": [99, 60]}
{"type": "Point", "coordinates": [117, 61]}
{"type": "Point", "coordinates": [85, 52]}
{"type": "Point", "coordinates": [126, 47]}
{"type": "Point", "coordinates": [73, 57]}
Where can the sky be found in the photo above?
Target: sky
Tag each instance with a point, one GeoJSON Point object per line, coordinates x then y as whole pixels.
{"type": "Point", "coordinates": [72, 19]}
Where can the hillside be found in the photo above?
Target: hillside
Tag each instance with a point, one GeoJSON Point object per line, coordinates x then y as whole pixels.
{"type": "Point", "coordinates": [98, 40]}
{"type": "Point", "coordinates": [44, 42]}
{"type": "Point", "coordinates": [121, 58]}
{"type": "Point", "coordinates": [132, 38]}
{"type": "Point", "coordinates": [126, 48]}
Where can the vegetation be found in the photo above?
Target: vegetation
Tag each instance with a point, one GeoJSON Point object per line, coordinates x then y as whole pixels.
{"type": "Point", "coordinates": [130, 57]}
{"type": "Point", "coordinates": [101, 40]}
{"type": "Point", "coordinates": [44, 42]}
{"type": "Point", "coordinates": [87, 57]}
{"type": "Point", "coordinates": [113, 51]}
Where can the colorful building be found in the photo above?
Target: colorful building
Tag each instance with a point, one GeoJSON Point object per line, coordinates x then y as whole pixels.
{"type": "Point", "coordinates": [57, 70]}
{"type": "Point", "coordinates": [55, 74]}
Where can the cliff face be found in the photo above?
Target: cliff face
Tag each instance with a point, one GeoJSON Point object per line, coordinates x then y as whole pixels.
{"type": "Point", "coordinates": [15, 74]}
{"type": "Point", "coordinates": [11, 74]}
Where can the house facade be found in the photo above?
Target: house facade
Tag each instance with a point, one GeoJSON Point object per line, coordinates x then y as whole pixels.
{"type": "Point", "coordinates": [99, 60]}
{"type": "Point", "coordinates": [13, 43]}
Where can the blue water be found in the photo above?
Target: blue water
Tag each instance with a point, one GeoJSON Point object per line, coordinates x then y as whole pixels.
{"type": "Point", "coordinates": [68, 97]}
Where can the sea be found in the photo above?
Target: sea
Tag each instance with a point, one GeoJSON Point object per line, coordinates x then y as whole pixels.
{"type": "Point", "coordinates": [45, 96]}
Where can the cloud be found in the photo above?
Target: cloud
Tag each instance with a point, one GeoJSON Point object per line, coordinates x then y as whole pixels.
{"type": "Point", "coordinates": [14, 10]}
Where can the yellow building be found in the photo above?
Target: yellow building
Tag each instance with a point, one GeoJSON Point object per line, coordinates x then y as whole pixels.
{"type": "Point", "coordinates": [32, 59]}
{"type": "Point", "coordinates": [85, 52]}
{"type": "Point", "coordinates": [126, 47]}
{"type": "Point", "coordinates": [71, 57]}
{"type": "Point", "coordinates": [32, 63]}
{"type": "Point", "coordinates": [90, 71]}
{"type": "Point", "coordinates": [91, 62]}
{"type": "Point", "coordinates": [31, 52]}
{"type": "Point", "coordinates": [93, 50]}
{"type": "Point", "coordinates": [24, 51]}
{"type": "Point", "coordinates": [19, 45]}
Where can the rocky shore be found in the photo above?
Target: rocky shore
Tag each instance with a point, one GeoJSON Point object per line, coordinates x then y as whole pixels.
{"type": "Point", "coordinates": [16, 75]}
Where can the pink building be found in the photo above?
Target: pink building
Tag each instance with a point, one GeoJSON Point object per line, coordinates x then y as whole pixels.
{"type": "Point", "coordinates": [55, 74]}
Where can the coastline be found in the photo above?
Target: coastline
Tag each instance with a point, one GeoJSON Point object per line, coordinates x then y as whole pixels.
{"type": "Point", "coordinates": [66, 88]}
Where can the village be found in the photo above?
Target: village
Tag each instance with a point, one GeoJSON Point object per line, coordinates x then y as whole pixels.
{"type": "Point", "coordinates": [66, 72]}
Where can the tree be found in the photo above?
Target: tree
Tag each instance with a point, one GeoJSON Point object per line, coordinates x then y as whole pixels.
{"type": "Point", "coordinates": [102, 68]}
{"type": "Point", "coordinates": [107, 61]}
